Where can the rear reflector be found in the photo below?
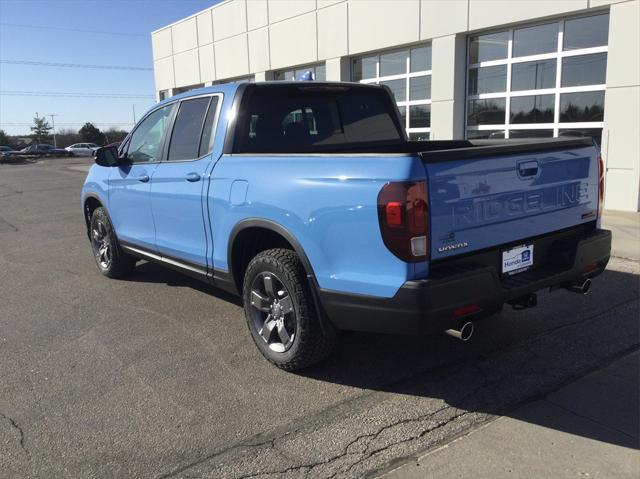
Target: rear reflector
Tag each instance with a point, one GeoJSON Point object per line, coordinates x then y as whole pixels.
{"type": "Point", "coordinates": [465, 310]}
{"type": "Point", "coordinates": [403, 218]}
{"type": "Point", "coordinates": [589, 268]}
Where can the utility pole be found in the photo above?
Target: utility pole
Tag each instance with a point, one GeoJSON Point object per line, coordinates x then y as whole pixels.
{"type": "Point", "coordinates": [53, 124]}
{"type": "Point", "coordinates": [134, 113]}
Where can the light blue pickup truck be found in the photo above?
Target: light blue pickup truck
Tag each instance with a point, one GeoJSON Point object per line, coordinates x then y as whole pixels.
{"type": "Point", "coordinates": [306, 199]}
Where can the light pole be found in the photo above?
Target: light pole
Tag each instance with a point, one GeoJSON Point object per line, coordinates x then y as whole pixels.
{"type": "Point", "coordinates": [53, 124]}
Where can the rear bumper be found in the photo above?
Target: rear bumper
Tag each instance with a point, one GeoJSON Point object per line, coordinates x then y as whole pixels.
{"type": "Point", "coordinates": [427, 306]}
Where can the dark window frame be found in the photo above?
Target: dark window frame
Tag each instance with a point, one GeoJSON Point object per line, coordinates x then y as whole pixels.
{"type": "Point", "coordinates": [214, 129]}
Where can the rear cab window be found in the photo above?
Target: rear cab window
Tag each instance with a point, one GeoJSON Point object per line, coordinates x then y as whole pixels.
{"type": "Point", "coordinates": [192, 131]}
{"type": "Point", "coordinates": [295, 118]}
{"type": "Point", "coordinates": [185, 138]}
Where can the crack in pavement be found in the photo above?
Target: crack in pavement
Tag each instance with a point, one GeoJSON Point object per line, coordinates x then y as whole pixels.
{"type": "Point", "coordinates": [16, 426]}
{"type": "Point", "coordinates": [370, 438]}
{"type": "Point", "coordinates": [345, 452]}
{"type": "Point", "coordinates": [369, 455]}
{"type": "Point", "coordinates": [6, 227]}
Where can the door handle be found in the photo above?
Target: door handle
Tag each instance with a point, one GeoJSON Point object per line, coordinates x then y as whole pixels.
{"type": "Point", "coordinates": [192, 177]}
{"type": "Point", "coordinates": [143, 178]}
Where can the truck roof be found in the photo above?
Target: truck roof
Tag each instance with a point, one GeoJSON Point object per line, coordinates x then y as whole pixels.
{"type": "Point", "coordinates": [231, 88]}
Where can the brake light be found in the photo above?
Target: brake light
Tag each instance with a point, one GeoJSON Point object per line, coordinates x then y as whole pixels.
{"type": "Point", "coordinates": [600, 185]}
{"type": "Point", "coordinates": [404, 220]}
{"type": "Point", "coordinates": [393, 214]}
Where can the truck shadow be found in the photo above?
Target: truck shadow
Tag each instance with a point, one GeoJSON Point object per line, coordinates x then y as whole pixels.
{"type": "Point", "coordinates": [518, 357]}
{"type": "Point", "coordinates": [152, 273]}
{"type": "Point", "coordinates": [514, 358]}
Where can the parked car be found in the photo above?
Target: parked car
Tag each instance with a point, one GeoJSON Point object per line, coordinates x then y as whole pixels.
{"type": "Point", "coordinates": [5, 153]}
{"type": "Point", "coordinates": [82, 149]}
{"type": "Point", "coordinates": [41, 149]}
{"type": "Point", "coordinates": [309, 203]}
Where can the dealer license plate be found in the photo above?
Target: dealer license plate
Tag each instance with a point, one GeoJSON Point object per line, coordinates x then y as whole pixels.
{"type": "Point", "coordinates": [517, 259]}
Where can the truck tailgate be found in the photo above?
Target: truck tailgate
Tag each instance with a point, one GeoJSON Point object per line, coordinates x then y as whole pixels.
{"type": "Point", "coordinates": [509, 194]}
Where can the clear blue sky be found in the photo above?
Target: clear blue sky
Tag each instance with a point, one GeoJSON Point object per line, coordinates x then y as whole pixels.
{"type": "Point", "coordinates": [129, 23]}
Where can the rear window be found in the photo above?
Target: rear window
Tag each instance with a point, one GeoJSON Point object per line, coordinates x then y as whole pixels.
{"type": "Point", "coordinates": [312, 119]}
{"type": "Point", "coordinates": [185, 139]}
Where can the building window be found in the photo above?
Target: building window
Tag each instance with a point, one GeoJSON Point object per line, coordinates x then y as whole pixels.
{"type": "Point", "coordinates": [538, 81]}
{"type": "Point", "coordinates": [163, 94]}
{"type": "Point", "coordinates": [407, 73]}
{"type": "Point", "coordinates": [318, 69]}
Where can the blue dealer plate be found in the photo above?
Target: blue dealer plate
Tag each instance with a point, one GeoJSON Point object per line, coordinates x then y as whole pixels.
{"type": "Point", "coordinates": [517, 259]}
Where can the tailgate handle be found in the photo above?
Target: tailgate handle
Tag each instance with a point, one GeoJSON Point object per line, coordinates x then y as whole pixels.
{"type": "Point", "coordinates": [528, 169]}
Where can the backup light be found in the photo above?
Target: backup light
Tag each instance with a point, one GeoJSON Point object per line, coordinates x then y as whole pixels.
{"type": "Point", "coordinates": [419, 246]}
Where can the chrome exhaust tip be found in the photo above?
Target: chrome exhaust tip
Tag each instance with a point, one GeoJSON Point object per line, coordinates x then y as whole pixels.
{"type": "Point", "coordinates": [464, 333]}
{"type": "Point", "coordinates": [583, 288]}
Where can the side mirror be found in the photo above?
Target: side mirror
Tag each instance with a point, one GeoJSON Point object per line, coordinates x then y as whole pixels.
{"type": "Point", "coordinates": [107, 156]}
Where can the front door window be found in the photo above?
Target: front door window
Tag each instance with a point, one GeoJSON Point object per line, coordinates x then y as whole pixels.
{"type": "Point", "coordinates": [146, 141]}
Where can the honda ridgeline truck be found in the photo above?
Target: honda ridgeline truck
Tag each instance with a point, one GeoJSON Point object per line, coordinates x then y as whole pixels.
{"type": "Point", "coordinates": [307, 200]}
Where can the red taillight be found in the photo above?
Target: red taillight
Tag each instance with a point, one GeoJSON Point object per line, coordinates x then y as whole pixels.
{"type": "Point", "coordinates": [393, 214]}
{"type": "Point", "coordinates": [600, 184]}
{"type": "Point", "coordinates": [403, 217]}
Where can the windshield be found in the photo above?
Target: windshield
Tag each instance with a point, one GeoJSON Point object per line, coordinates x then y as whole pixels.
{"type": "Point", "coordinates": [314, 118]}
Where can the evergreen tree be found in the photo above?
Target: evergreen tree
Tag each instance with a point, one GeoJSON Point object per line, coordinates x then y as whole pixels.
{"type": "Point", "coordinates": [90, 134]}
{"type": "Point", "coordinates": [40, 129]}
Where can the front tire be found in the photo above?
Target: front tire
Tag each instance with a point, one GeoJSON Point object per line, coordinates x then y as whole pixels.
{"type": "Point", "coordinates": [280, 312]}
{"type": "Point", "coordinates": [110, 259]}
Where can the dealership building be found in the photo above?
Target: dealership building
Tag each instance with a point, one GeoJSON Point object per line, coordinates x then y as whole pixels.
{"type": "Point", "coordinates": [457, 68]}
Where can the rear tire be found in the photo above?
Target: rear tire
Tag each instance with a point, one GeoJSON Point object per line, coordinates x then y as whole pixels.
{"type": "Point", "coordinates": [280, 311]}
{"type": "Point", "coordinates": [110, 259]}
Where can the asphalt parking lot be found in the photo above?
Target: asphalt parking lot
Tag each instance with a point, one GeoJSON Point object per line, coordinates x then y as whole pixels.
{"type": "Point", "coordinates": [157, 376]}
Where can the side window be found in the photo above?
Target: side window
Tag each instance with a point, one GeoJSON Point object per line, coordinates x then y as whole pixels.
{"type": "Point", "coordinates": [206, 143]}
{"type": "Point", "coordinates": [145, 144]}
{"type": "Point", "coordinates": [187, 130]}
